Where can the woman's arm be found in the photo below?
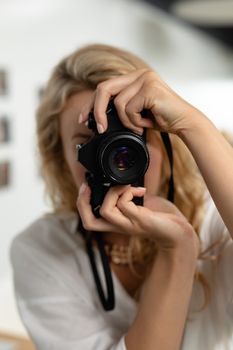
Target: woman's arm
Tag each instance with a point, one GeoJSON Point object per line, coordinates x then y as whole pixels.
{"type": "Point", "coordinates": [144, 89]}
{"type": "Point", "coordinates": [164, 304]}
{"type": "Point", "coordinates": [163, 308]}
{"type": "Point", "coordinates": [214, 157]}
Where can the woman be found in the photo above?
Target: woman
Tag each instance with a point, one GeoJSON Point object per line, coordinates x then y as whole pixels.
{"type": "Point", "coordinates": [172, 291]}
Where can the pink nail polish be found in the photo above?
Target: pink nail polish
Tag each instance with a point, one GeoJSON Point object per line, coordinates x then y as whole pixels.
{"type": "Point", "coordinates": [80, 118]}
{"type": "Point", "coordinates": [82, 188]}
{"type": "Point", "coordinates": [100, 128]}
{"type": "Point", "coordinates": [141, 188]}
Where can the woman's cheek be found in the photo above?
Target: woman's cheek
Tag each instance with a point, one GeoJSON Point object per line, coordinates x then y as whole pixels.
{"type": "Point", "coordinates": [78, 173]}
{"type": "Point", "coordinates": [76, 169]}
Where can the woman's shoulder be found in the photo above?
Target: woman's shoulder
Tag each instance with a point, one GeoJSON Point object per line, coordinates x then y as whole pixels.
{"type": "Point", "coordinates": [50, 234]}
{"type": "Point", "coordinates": [50, 255]}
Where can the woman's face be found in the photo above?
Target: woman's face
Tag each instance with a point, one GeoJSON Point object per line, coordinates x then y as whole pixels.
{"type": "Point", "coordinates": [73, 133]}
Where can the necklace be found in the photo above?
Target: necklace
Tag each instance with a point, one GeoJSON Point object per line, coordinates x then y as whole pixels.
{"type": "Point", "coordinates": [118, 254]}
{"type": "Point", "coordinates": [124, 254]}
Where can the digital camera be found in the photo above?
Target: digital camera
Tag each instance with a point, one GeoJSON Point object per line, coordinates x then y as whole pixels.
{"type": "Point", "coordinates": [116, 157]}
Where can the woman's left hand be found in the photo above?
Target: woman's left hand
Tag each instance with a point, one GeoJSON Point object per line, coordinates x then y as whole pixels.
{"type": "Point", "coordinates": [136, 91]}
{"type": "Point", "coordinates": [157, 219]}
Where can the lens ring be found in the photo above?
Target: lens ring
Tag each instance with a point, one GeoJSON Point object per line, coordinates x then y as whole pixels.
{"type": "Point", "coordinates": [123, 158]}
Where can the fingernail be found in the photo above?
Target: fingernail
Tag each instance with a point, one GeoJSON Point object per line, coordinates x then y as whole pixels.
{"type": "Point", "coordinates": [80, 118]}
{"type": "Point", "coordinates": [138, 131]}
{"type": "Point", "coordinates": [82, 188]}
{"type": "Point", "coordinates": [100, 128]}
{"type": "Point", "coordinates": [141, 188]}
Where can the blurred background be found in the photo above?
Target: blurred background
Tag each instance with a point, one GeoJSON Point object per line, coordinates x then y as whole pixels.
{"type": "Point", "coordinates": [190, 44]}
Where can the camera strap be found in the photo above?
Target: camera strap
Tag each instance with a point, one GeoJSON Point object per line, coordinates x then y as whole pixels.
{"type": "Point", "coordinates": [108, 302]}
{"type": "Point", "coordinates": [88, 236]}
{"type": "Point", "coordinates": [168, 147]}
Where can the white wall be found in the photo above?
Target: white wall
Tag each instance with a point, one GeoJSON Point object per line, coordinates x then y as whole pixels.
{"type": "Point", "coordinates": [34, 35]}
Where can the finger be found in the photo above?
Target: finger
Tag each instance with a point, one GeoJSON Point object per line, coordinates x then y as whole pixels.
{"type": "Point", "coordinates": [109, 210]}
{"type": "Point", "coordinates": [129, 104]}
{"type": "Point", "coordinates": [150, 86]}
{"type": "Point", "coordinates": [112, 212]}
{"type": "Point", "coordinates": [142, 100]}
{"type": "Point", "coordinates": [121, 101]}
{"type": "Point", "coordinates": [135, 118]}
{"type": "Point", "coordinates": [162, 224]}
{"type": "Point", "coordinates": [106, 90]}
{"type": "Point", "coordinates": [126, 204]}
{"type": "Point", "coordinates": [89, 221]}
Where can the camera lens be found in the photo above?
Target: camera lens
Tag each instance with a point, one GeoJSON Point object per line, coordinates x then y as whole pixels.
{"type": "Point", "coordinates": [123, 158]}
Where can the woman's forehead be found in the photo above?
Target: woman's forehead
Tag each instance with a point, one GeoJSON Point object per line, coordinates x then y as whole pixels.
{"type": "Point", "coordinates": [73, 108]}
{"type": "Point", "coordinates": [79, 100]}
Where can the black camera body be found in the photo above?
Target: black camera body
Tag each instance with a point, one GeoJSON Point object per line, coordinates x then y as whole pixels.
{"type": "Point", "coordinates": [116, 157]}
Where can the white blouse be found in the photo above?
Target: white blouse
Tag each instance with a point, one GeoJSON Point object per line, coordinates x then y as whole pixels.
{"type": "Point", "coordinates": [59, 305]}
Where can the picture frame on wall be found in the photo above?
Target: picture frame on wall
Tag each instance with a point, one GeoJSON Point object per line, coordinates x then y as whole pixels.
{"type": "Point", "coordinates": [40, 93]}
{"type": "Point", "coordinates": [4, 86]}
{"type": "Point", "coordinates": [5, 169]}
{"type": "Point", "coordinates": [4, 129]}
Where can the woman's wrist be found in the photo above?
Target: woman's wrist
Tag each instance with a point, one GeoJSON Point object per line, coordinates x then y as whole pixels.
{"type": "Point", "coordinates": [182, 256]}
{"type": "Point", "coordinates": [196, 124]}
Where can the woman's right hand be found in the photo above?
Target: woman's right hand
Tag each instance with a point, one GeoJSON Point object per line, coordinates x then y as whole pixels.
{"type": "Point", "coordinates": [138, 90]}
{"type": "Point", "coordinates": [158, 218]}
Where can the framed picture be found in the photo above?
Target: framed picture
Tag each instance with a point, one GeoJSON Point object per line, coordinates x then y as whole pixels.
{"type": "Point", "coordinates": [40, 93]}
{"type": "Point", "coordinates": [4, 174]}
{"type": "Point", "coordinates": [3, 82]}
{"type": "Point", "coordinates": [4, 129]}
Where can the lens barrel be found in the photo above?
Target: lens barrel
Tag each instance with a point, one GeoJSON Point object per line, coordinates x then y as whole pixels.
{"type": "Point", "coordinates": [123, 157]}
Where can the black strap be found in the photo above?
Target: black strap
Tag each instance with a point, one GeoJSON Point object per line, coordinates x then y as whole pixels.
{"type": "Point", "coordinates": [108, 301]}
{"type": "Point", "coordinates": [168, 146]}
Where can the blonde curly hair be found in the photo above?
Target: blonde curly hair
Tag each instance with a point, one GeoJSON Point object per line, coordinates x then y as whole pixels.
{"type": "Point", "coordinates": [85, 69]}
